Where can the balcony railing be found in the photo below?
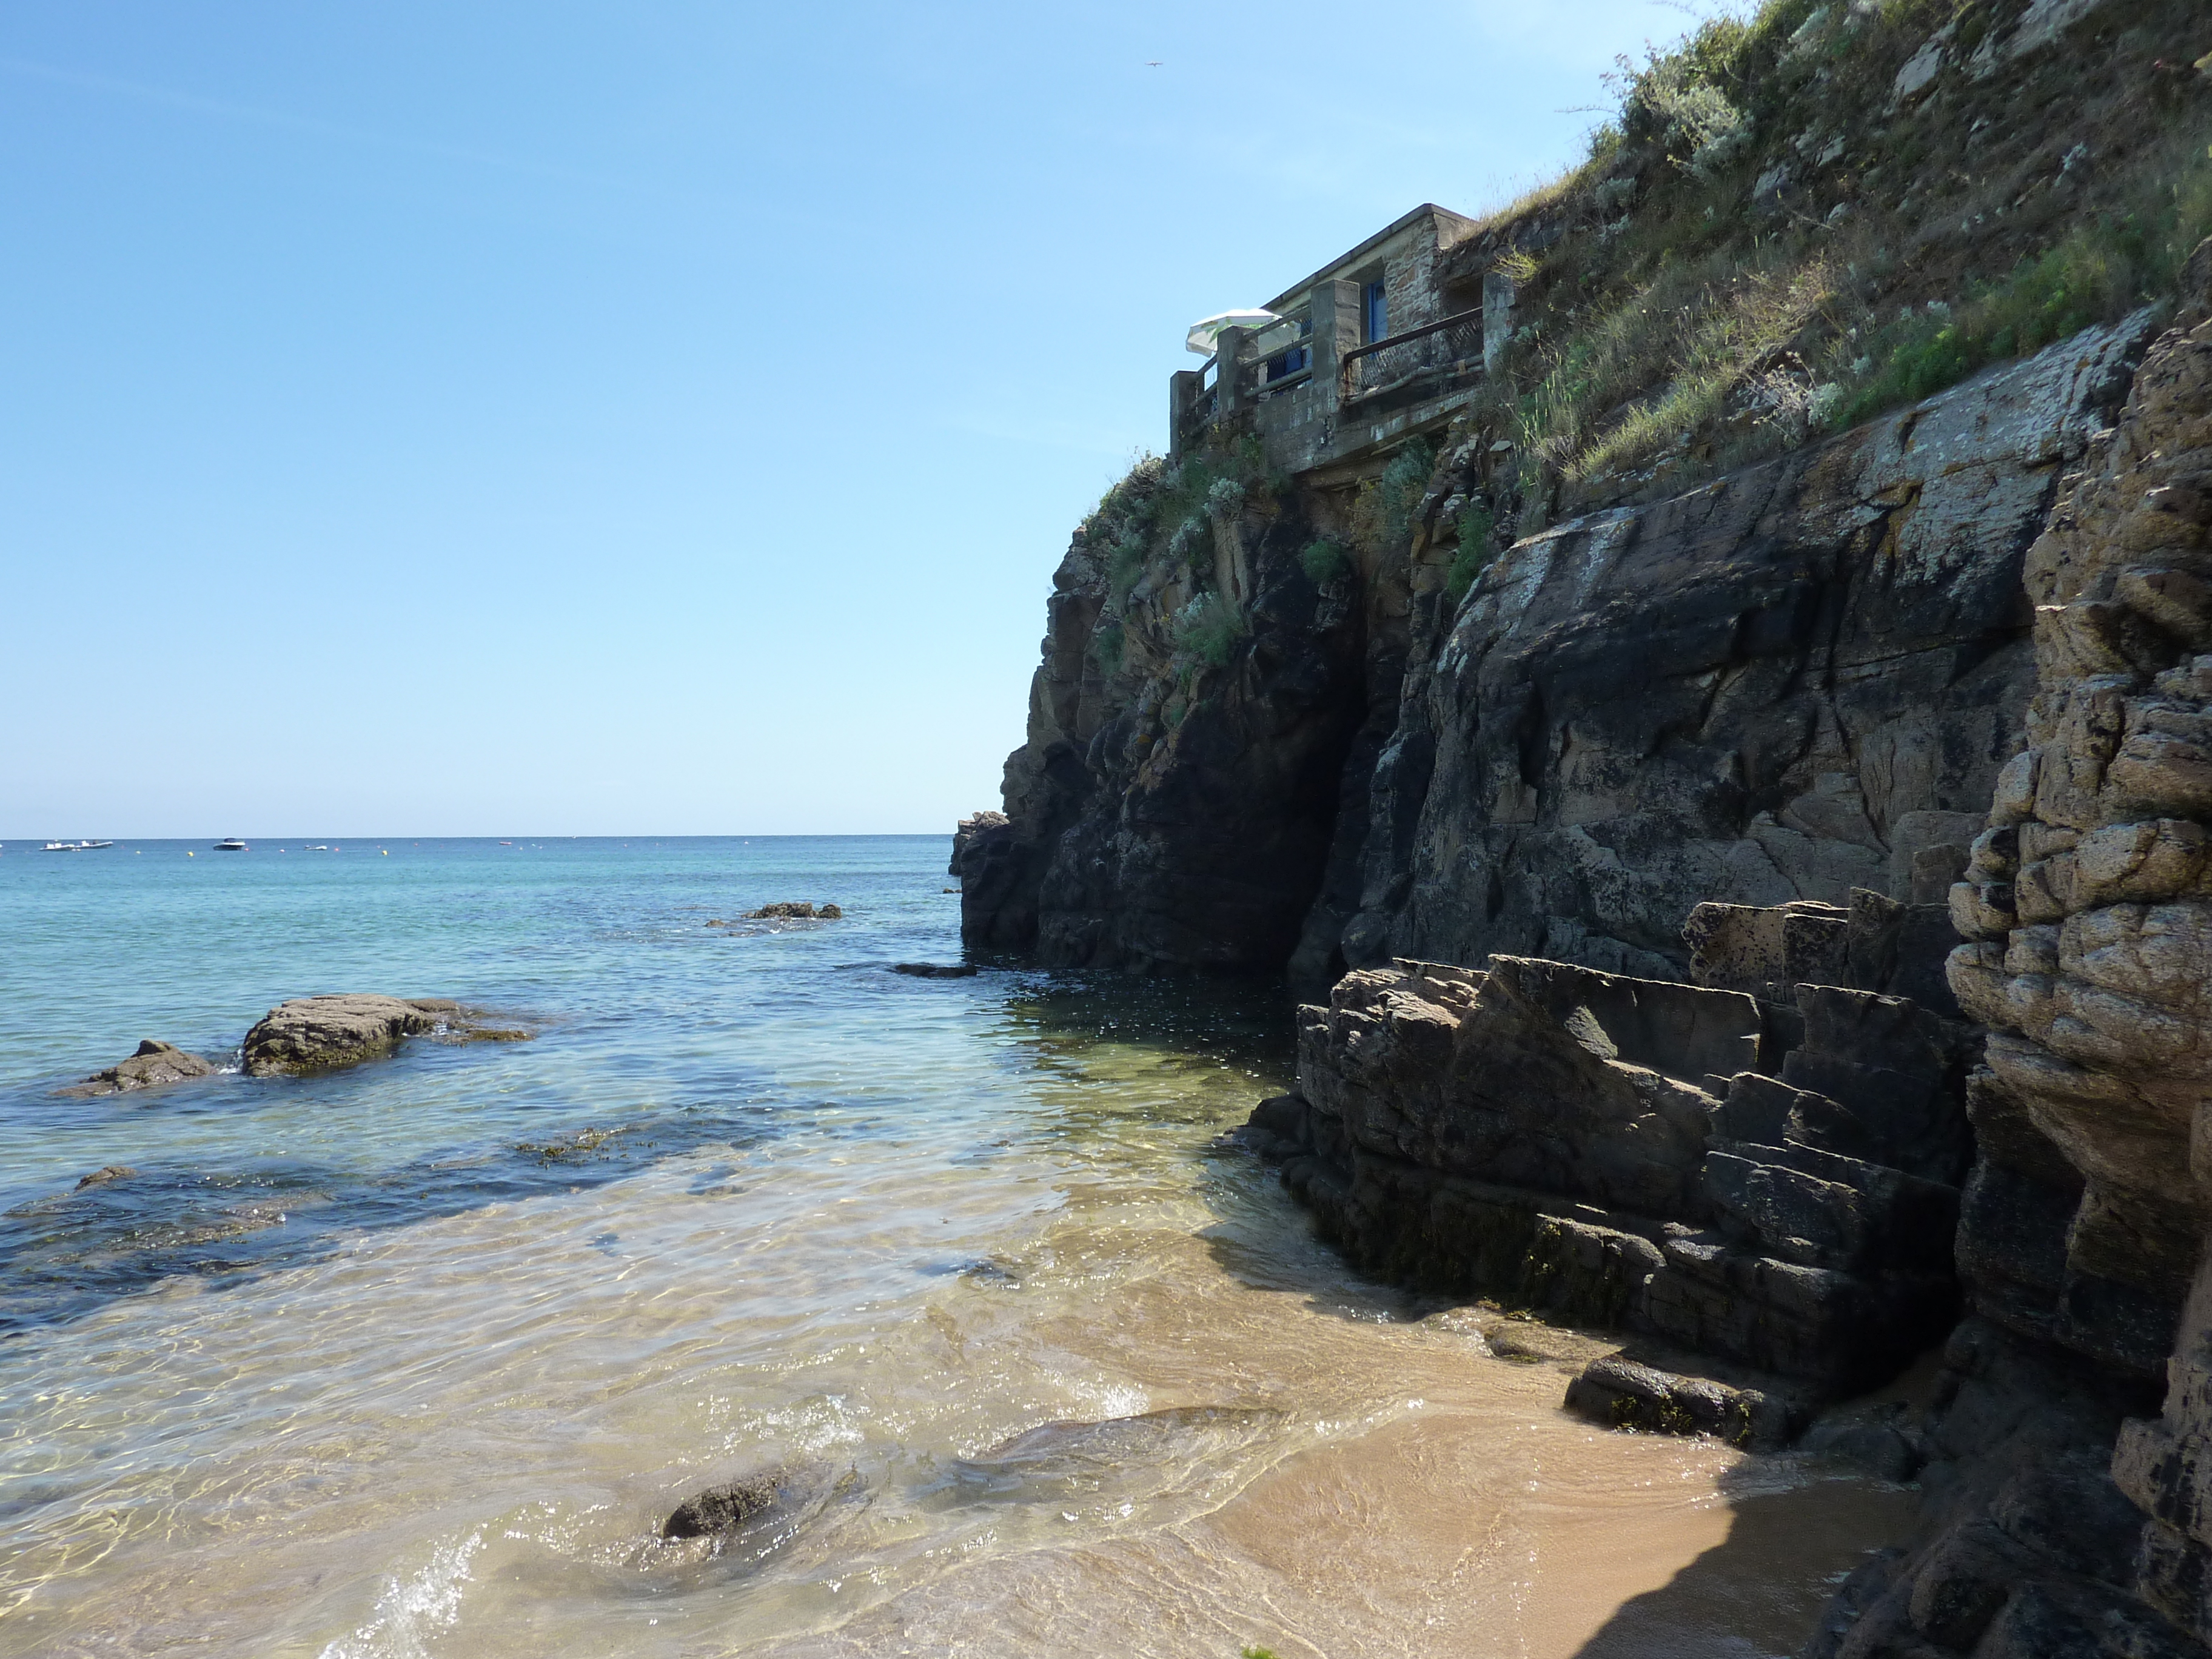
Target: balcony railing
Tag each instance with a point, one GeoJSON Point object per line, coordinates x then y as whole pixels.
{"type": "Point", "coordinates": [1421, 362]}
{"type": "Point", "coordinates": [1449, 348]}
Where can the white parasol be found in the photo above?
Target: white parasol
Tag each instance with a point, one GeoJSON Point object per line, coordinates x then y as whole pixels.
{"type": "Point", "coordinates": [1205, 337]}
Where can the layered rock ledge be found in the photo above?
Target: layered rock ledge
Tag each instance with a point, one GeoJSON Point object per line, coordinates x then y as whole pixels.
{"type": "Point", "coordinates": [1769, 1182]}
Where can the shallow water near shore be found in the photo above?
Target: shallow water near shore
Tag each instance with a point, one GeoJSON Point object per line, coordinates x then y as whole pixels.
{"type": "Point", "coordinates": [413, 1358]}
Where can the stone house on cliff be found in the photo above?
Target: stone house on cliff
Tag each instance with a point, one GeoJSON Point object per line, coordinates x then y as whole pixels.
{"type": "Point", "coordinates": [1385, 340]}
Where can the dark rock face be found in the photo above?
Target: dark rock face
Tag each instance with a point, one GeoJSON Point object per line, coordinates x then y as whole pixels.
{"type": "Point", "coordinates": [1624, 1394]}
{"type": "Point", "coordinates": [1752, 737]}
{"type": "Point", "coordinates": [153, 1063]}
{"type": "Point", "coordinates": [1800, 680]}
{"type": "Point", "coordinates": [312, 1033]}
{"type": "Point", "coordinates": [1187, 828]}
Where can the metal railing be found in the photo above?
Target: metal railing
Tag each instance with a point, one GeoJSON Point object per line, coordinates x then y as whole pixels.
{"type": "Point", "coordinates": [1453, 342]}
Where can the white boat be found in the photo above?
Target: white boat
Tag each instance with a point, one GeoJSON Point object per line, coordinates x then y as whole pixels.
{"type": "Point", "coordinates": [232, 844]}
{"type": "Point", "coordinates": [76, 845]}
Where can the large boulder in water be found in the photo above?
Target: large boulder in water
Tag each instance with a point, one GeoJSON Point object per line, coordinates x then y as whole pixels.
{"type": "Point", "coordinates": [155, 1062]}
{"type": "Point", "coordinates": [310, 1033]}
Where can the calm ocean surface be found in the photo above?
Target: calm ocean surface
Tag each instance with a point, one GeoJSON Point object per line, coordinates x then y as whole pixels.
{"type": "Point", "coordinates": [412, 1358]}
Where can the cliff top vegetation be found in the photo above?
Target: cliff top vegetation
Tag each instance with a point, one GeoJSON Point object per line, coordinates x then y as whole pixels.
{"type": "Point", "coordinates": [1796, 219]}
{"type": "Point", "coordinates": [1792, 222]}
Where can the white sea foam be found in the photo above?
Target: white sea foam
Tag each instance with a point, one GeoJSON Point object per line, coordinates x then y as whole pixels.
{"type": "Point", "coordinates": [410, 1609]}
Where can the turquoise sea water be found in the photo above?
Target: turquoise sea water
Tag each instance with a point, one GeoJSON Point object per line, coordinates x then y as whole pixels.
{"type": "Point", "coordinates": [411, 1358]}
{"type": "Point", "coordinates": [650, 1025]}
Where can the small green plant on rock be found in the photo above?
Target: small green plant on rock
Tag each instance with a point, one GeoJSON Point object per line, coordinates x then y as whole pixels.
{"type": "Point", "coordinates": [1382, 516]}
{"type": "Point", "coordinates": [1125, 563]}
{"type": "Point", "coordinates": [1477, 526]}
{"type": "Point", "coordinates": [1208, 628]}
{"type": "Point", "coordinates": [1108, 645]}
{"type": "Point", "coordinates": [1324, 562]}
{"type": "Point", "coordinates": [1676, 93]}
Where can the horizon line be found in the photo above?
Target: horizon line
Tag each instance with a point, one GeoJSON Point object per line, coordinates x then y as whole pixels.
{"type": "Point", "coordinates": [521, 835]}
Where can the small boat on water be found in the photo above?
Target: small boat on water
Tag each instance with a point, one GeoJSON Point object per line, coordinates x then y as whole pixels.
{"type": "Point", "coordinates": [76, 845]}
{"type": "Point", "coordinates": [232, 844]}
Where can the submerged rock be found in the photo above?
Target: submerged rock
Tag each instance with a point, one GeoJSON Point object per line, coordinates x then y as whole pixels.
{"type": "Point", "coordinates": [934, 970]}
{"type": "Point", "coordinates": [794, 911]}
{"type": "Point", "coordinates": [155, 1062]}
{"type": "Point", "coordinates": [1069, 1459]}
{"type": "Point", "coordinates": [101, 1176]}
{"type": "Point", "coordinates": [312, 1033]}
{"type": "Point", "coordinates": [724, 1508]}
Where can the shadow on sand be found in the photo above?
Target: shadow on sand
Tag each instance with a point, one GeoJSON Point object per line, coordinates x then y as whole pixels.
{"type": "Point", "coordinates": [1760, 1591]}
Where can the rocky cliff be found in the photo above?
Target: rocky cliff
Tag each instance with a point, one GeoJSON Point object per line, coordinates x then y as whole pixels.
{"type": "Point", "coordinates": [1768, 1178]}
{"type": "Point", "coordinates": [1618, 798]}
{"type": "Point", "coordinates": [1795, 681]}
{"type": "Point", "coordinates": [1176, 798]}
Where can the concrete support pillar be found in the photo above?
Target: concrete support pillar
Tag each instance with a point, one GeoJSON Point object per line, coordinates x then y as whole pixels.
{"type": "Point", "coordinates": [1335, 332]}
{"type": "Point", "coordinates": [1498, 296]}
{"type": "Point", "coordinates": [1228, 377]}
{"type": "Point", "coordinates": [1182, 394]}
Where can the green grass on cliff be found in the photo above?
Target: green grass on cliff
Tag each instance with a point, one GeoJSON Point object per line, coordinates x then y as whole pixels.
{"type": "Point", "coordinates": [2102, 268]}
{"type": "Point", "coordinates": [1156, 511]}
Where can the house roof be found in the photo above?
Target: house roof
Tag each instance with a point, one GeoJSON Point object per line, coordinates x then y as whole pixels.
{"type": "Point", "coordinates": [1445, 218]}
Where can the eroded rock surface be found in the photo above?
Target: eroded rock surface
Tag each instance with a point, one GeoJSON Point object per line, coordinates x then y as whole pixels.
{"type": "Point", "coordinates": [1799, 680]}
{"type": "Point", "coordinates": [2072, 1518]}
{"type": "Point", "coordinates": [154, 1063]}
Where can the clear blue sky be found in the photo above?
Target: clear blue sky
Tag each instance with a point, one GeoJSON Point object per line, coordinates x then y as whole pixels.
{"type": "Point", "coordinates": [552, 417]}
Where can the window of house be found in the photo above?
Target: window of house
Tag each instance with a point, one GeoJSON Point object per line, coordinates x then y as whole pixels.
{"type": "Point", "coordinates": [1374, 312]}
